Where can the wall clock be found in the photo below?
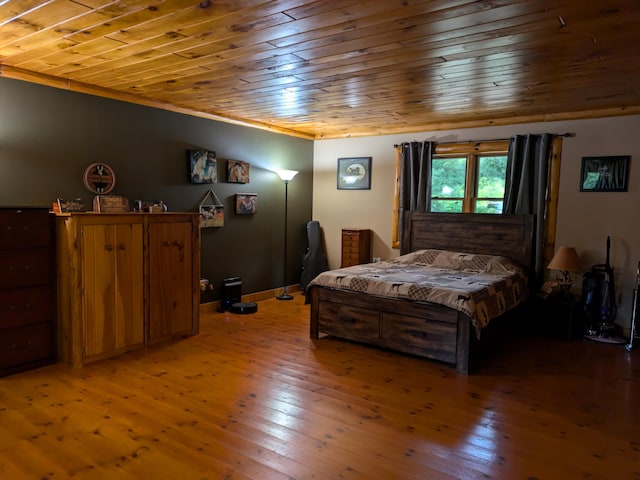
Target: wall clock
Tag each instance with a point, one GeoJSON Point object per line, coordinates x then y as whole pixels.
{"type": "Point", "coordinates": [99, 178]}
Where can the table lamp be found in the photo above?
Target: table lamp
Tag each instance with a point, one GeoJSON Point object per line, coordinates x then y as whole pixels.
{"type": "Point", "coordinates": [565, 261]}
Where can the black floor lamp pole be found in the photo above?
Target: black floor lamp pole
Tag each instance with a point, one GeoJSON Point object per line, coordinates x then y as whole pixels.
{"type": "Point", "coordinates": [286, 178]}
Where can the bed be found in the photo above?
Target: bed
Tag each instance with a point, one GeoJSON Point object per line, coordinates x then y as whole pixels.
{"type": "Point", "coordinates": [385, 309]}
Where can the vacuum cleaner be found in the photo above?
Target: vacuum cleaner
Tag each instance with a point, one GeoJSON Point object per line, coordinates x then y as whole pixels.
{"type": "Point", "coordinates": [629, 346]}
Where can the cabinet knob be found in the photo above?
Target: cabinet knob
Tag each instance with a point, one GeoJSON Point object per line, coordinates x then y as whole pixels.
{"type": "Point", "coordinates": [10, 228]}
{"type": "Point", "coordinates": [108, 247]}
{"type": "Point", "coordinates": [121, 246]}
{"type": "Point", "coordinates": [167, 243]}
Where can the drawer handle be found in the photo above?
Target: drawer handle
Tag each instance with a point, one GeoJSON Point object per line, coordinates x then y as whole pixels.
{"type": "Point", "coordinates": [26, 306]}
{"type": "Point", "coordinates": [14, 268]}
{"type": "Point", "coordinates": [121, 246]}
{"type": "Point", "coordinates": [417, 333]}
{"type": "Point", "coordinates": [348, 320]}
{"type": "Point", "coordinates": [21, 345]}
{"type": "Point", "coordinates": [166, 243]}
{"type": "Point", "coordinates": [108, 247]}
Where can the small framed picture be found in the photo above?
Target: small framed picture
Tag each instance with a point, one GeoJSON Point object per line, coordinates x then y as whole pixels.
{"type": "Point", "coordinates": [237, 171]}
{"type": "Point", "coordinates": [203, 167]}
{"type": "Point", "coordinates": [246, 203]}
{"type": "Point", "coordinates": [354, 173]}
{"type": "Point", "coordinates": [604, 174]}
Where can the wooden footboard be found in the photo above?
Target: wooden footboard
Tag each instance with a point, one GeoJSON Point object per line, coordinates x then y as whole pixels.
{"type": "Point", "coordinates": [427, 330]}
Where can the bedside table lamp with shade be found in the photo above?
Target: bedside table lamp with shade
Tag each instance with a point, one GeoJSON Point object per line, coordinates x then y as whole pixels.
{"type": "Point", "coordinates": [565, 261]}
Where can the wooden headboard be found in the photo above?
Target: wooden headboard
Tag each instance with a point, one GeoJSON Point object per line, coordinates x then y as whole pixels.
{"type": "Point", "coordinates": [507, 235]}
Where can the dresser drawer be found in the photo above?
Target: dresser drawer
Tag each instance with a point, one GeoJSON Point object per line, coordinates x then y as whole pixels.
{"type": "Point", "coordinates": [419, 336]}
{"type": "Point", "coordinates": [347, 321]}
{"type": "Point", "coordinates": [27, 344]}
{"type": "Point", "coordinates": [351, 245]}
{"type": "Point", "coordinates": [22, 306]}
{"type": "Point", "coordinates": [22, 268]}
{"type": "Point", "coordinates": [24, 228]}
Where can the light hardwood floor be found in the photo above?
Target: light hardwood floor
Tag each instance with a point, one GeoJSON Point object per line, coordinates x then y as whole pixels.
{"type": "Point", "coordinates": [252, 397]}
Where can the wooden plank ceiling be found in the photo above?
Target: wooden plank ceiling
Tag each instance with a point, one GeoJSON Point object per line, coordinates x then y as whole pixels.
{"type": "Point", "coordinates": [331, 69]}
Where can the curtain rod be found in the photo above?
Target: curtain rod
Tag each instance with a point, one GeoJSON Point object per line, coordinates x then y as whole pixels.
{"type": "Point", "coordinates": [566, 134]}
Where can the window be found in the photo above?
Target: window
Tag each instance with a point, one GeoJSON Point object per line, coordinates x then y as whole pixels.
{"type": "Point", "coordinates": [466, 177]}
{"type": "Point", "coordinates": [469, 183]}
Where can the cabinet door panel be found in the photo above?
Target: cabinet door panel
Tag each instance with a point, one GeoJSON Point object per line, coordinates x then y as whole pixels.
{"type": "Point", "coordinates": [113, 300]}
{"type": "Point", "coordinates": [170, 279]}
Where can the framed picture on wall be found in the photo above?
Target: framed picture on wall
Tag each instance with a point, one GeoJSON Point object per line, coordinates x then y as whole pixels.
{"type": "Point", "coordinates": [604, 174]}
{"type": "Point", "coordinates": [246, 203]}
{"type": "Point", "coordinates": [354, 173]}
{"type": "Point", "coordinates": [237, 171]}
{"type": "Point", "coordinates": [203, 166]}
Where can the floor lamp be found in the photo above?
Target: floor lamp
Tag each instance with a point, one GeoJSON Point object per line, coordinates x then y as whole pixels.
{"type": "Point", "coordinates": [286, 176]}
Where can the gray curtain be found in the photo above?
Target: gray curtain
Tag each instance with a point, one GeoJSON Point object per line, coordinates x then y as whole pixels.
{"type": "Point", "coordinates": [526, 186]}
{"type": "Point", "coordinates": [415, 180]}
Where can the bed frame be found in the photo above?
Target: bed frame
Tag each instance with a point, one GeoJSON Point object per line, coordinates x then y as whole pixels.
{"type": "Point", "coordinates": [424, 329]}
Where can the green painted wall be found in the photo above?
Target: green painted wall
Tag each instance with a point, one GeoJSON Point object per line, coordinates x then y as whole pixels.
{"type": "Point", "coordinates": [49, 136]}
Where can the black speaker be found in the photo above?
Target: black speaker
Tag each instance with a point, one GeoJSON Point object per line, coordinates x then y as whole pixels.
{"type": "Point", "coordinates": [231, 292]}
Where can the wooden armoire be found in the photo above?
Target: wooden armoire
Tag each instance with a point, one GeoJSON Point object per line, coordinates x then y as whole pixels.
{"type": "Point", "coordinates": [125, 281]}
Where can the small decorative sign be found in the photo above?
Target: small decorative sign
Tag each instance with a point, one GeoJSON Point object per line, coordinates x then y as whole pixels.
{"type": "Point", "coordinates": [110, 204]}
{"type": "Point", "coordinates": [68, 206]}
{"type": "Point", "coordinates": [211, 211]}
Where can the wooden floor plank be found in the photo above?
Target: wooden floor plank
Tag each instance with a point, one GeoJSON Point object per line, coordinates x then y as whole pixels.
{"type": "Point", "coordinates": [252, 397]}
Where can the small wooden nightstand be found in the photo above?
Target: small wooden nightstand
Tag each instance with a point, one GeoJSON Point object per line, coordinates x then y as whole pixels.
{"type": "Point", "coordinates": [562, 317]}
{"type": "Point", "coordinates": [356, 246]}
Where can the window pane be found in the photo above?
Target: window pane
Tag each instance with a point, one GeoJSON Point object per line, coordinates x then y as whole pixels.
{"type": "Point", "coordinates": [492, 173]}
{"type": "Point", "coordinates": [447, 177]}
{"type": "Point", "coordinates": [446, 206]}
{"type": "Point", "coordinates": [489, 206]}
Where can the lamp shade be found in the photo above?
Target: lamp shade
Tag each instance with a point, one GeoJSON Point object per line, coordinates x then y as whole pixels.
{"type": "Point", "coordinates": [566, 259]}
{"type": "Point", "coordinates": [287, 175]}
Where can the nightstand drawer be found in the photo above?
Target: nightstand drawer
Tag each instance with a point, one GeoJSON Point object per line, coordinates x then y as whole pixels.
{"type": "Point", "coordinates": [22, 306]}
{"type": "Point", "coordinates": [22, 268]}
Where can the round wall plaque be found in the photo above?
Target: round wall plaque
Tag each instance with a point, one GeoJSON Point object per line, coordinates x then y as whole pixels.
{"type": "Point", "coordinates": [99, 178]}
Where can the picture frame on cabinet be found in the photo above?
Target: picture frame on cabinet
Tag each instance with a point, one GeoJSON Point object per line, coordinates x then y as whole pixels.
{"type": "Point", "coordinates": [354, 173]}
{"type": "Point", "coordinates": [604, 174]}
{"type": "Point", "coordinates": [203, 166]}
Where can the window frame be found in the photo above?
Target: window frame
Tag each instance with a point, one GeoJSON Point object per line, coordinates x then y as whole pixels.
{"type": "Point", "coordinates": [553, 185]}
{"type": "Point", "coordinates": [472, 178]}
{"type": "Point", "coordinates": [498, 147]}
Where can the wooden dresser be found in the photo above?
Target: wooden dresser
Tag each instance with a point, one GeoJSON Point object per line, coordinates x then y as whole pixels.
{"type": "Point", "coordinates": [356, 246]}
{"type": "Point", "coordinates": [27, 289]}
{"type": "Point", "coordinates": [126, 281]}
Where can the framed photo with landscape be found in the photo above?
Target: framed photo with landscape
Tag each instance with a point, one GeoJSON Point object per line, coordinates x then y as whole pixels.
{"type": "Point", "coordinates": [604, 174]}
{"type": "Point", "coordinates": [354, 173]}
